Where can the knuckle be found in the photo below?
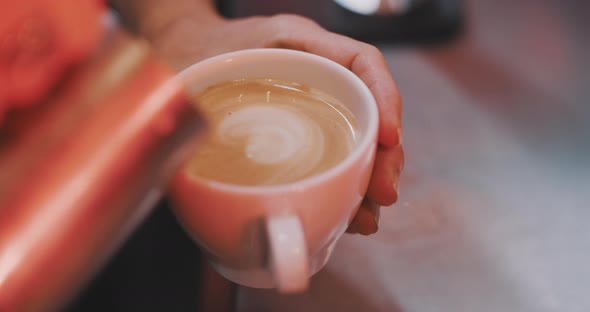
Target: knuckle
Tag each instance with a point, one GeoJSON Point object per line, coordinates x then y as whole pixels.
{"type": "Point", "coordinates": [287, 30]}
{"type": "Point", "coordinates": [287, 20]}
{"type": "Point", "coordinates": [372, 52]}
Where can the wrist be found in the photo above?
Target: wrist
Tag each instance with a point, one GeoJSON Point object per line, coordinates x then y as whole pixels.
{"type": "Point", "coordinates": [181, 40]}
{"type": "Point", "coordinates": [183, 21]}
{"type": "Point", "coordinates": [176, 29]}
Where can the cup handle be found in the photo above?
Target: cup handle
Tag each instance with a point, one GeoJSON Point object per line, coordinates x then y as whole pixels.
{"type": "Point", "coordinates": [287, 252]}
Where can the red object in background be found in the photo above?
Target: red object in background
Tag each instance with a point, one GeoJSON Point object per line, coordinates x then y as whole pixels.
{"type": "Point", "coordinates": [79, 170]}
{"type": "Point", "coordinates": [39, 41]}
{"type": "Point", "coordinates": [94, 127]}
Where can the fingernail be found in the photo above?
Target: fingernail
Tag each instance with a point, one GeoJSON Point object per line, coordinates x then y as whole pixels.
{"type": "Point", "coordinates": [375, 211]}
{"type": "Point", "coordinates": [399, 134]}
{"type": "Point", "coordinates": [396, 188]}
{"type": "Point", "coordinates": [377, 217]}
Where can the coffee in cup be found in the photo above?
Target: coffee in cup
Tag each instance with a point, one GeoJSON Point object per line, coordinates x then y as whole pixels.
{"type": "Point", "coordinates": [268, 132]}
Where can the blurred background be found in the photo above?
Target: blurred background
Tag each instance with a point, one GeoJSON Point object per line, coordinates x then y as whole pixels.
{"type": "Point", "coordinates": [494, 206]}
{"type": "Point", "coordinates": [493, 209]}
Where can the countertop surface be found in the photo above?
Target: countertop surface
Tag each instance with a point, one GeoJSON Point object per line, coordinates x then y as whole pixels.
{"type": "Point", "coordinates": [493, 213]}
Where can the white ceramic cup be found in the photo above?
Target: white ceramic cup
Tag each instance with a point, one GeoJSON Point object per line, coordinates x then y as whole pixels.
{"type": "Point", "coordinates": [280, 235]}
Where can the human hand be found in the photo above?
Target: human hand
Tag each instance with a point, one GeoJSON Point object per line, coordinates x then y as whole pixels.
{"type": "Point", "coordinates": [187, 41]}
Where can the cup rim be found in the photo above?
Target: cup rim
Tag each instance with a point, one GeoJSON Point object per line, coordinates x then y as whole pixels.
{"type": "Point", "coordinates": [366, 140]}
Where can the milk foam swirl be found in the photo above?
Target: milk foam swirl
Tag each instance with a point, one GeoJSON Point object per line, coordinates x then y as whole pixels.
{"type": "Point", "coordinates": [275, 135]}
{"type": "Point", "coordinates": [263, 133]}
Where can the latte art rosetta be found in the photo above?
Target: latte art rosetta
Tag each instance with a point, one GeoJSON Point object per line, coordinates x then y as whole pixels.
{"type": "Point", "coordinates": [265, 133]}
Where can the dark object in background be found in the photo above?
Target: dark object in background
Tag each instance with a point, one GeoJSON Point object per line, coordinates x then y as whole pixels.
{"type": "Point", "coordinates": [157, 269]}
{"type": "Point", "coordinates": [429, 22]}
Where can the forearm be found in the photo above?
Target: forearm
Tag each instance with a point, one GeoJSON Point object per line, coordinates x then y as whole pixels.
{"type": "Point", "coordinates": [149, 18]}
